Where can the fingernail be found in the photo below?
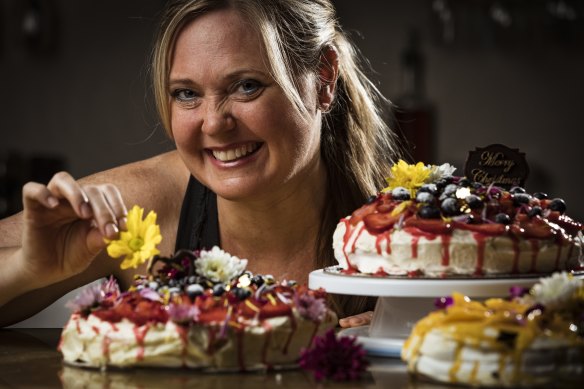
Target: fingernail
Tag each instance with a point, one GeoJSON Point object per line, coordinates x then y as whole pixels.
{"type": "Point", "coordinates": [122, 223]}
{"type": "Point", "coordinates": [53, 202]}
{"type": "Point", "coordinates": [86, 212]}
{"type": "Point", "coordinates": [111, 230]}
{"type": "Point", "coordinates": [357, 321]}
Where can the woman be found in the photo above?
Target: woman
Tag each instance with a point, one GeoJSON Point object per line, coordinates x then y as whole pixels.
{"type": "Point", "coordinates": [278, 135]}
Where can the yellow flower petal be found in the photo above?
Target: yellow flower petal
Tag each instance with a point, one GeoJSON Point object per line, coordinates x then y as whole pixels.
{"type": "Point", "coordinates": [138, 244]}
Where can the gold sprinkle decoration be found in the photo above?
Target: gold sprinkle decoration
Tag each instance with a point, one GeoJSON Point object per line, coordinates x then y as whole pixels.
{"type": "Point", "coordinates": [252, 306]}
{"type": "Point", "coordinates": [272, 299]}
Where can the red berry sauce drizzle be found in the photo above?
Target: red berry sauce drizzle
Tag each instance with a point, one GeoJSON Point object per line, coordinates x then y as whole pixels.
{"type": "Point", "coordinates": [459, 203]}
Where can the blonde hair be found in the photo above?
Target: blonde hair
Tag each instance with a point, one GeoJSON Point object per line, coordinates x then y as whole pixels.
{"type": "Point", "coordinates": [357, 145]}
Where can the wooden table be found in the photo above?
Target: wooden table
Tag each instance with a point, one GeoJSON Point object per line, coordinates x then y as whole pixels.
{"type": "Point", "coordinates": [29, 359]}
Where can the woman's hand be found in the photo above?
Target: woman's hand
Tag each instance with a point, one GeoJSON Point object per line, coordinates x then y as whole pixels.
{"type": "Point", "coordinates": [64, 226]}
{"type": "Point", "coordinates": [361, 319]}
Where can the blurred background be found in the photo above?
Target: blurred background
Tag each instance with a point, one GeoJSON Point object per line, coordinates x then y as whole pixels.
{"type": "Point", "coordinates": [75, 93]}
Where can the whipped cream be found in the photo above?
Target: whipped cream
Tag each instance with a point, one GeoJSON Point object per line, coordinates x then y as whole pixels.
{"type": "Point", "coordinates": [464, 252]}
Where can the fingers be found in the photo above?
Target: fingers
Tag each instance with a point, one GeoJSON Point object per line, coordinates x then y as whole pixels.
{"type": "Point", "coordinates": [34, 193]}
{"type": "Point", "coordinates": [102, 203]}
{"type": "Point", "coordinates": [108, 208]}
{"type": "Point", "coordinates": [357, 320]}
{"type": "Point", "coordinates": [64, 186]}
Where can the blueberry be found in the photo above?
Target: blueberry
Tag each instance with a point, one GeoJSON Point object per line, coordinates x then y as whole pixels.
{"type": "Point", "coordinates": [464, 182]}
{"type": "Point", "coordinates": [218, 289]}
{"type": "Point", "coordinates": [521, 198]}
{"type": "Point", "coordinates": [194, 290]}
{"type": "Point", "coordinates": [503, 218]}
{"type": "Point", "coordinates": [400, 193]}
{"type": "Point", "coordinates": [371, 199]}
{"type": "Point", "coordinates": [153, 285]}
{"type": "Point", "coordinates": [535, 211]}
{"type": "Point", "coordinates": [450, 189]}
{"type": "Point", "coordinates": [477, 185]}
{"type": "Point", "coordinates": [540, 195]}
{"type": "Point", "coordinates": [425, 197]}
{"type": "Point", "coordinates": [450, 206]}
{"type": "Point", "coordinates": [172, 283]}
{"type": "Point", "coordinates": [193, 280]}
{"type": "Point", "coordinates": [517, 189]}
{"type": "Point", "coordinates": [557, 205]}
{"type": "Point", "coordinates": [174, 290]}
{"type": "Point", "coordinates": [269, 279]}
{"type": "Point", "coordinates": [429, 212]}
{"type": "Point", "coordinates": [474, 202]}
{"type": "Point", "coordinates": [257, 280]}
{"type": "Point", "coordinates": [241, 293]}
{"type": "Point", "coordinates": [429, 188]}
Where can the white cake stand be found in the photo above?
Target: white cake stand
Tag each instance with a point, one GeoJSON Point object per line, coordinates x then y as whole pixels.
{"type": "Point", "coordinates": [403, 301]}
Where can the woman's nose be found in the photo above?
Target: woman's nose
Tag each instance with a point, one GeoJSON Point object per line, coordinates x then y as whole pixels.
{"type": "Point", "coordinates": [217, 119]}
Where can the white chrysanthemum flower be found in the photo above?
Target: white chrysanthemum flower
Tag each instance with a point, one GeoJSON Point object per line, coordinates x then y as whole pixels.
{"type": "Point", "coordinates": [438, 172]}
{"type": "Point", "coordinates": [219, 266]}
{"type": "Point", "coordinates": [556, 290]}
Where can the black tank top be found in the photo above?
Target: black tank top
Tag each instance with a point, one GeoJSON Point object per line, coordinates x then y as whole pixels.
{"type": "Point", "coordinates": [198, 226]}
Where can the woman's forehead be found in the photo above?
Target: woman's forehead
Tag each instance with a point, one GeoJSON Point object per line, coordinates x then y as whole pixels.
{"type": "Point", "coordinates": [216, 38]}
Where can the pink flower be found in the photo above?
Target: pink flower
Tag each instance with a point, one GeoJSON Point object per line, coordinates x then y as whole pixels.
{"type": "Point", "coordinates": [183, 313]}
{"type": "Point", "coordinates": [336, 358]}
{"type": "Point", "coordinates": [92, 295]}
{"type": "Point", "coordinates": [310, 307]}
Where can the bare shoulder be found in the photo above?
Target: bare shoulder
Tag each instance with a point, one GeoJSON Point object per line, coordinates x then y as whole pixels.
{"type": "Point", "coordinates": [154, 183]}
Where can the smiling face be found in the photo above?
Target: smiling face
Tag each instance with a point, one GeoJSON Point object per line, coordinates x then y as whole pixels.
{"type": "Point", "coordinates": [233, 126]}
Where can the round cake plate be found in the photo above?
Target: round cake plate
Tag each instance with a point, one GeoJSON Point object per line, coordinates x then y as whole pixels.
{"type": "Point", "coordinates": [403, 302]}
{"type": "Point", "coordinates": [414, 287]}
{"type": "Point", "coordinates": [378, 347]}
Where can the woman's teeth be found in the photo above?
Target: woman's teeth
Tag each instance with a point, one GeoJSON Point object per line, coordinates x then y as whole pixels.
{"type": "Point", "coordinates": [236, 153]}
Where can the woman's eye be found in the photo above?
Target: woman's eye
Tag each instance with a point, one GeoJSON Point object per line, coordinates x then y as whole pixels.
{"type": "Point", "coordinates": [184, 95]}
{"type": "Point", "coordinates": [249, 87]}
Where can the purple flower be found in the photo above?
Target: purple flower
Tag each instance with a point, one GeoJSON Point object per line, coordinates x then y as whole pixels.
{"type": "Point", "coordinates": [93, 295]}
{"type": "Point", "coordinates": [150, 294]}
{"type": "Point", "coordinates": [183, 313]}
{"type": "Point", "coordinates": [443, 302]}
{"type": "Point", "coordinates": [310, 307]}
{"type": "Point", "coordinates": [517, 291]}
{"type": "Point", "coordinates": [335, 358]}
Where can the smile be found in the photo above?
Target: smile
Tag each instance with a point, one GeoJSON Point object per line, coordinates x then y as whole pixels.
{"type": "Point", "coordinates": [235, 153]}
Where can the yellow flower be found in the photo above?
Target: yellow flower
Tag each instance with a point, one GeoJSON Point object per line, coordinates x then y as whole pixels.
{"type": "Point", "coordinates": [138, 243]}
{"type": "Point", "coordinates": [408, 176]}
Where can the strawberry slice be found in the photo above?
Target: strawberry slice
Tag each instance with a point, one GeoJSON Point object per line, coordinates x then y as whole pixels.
{"type": "Point", "coordinates": [379, 222]}
{"type": "Point", "coordinates": [360, 213]}
{"type": "Point", "coordinates": [492, 229]}
{"type": "Point", "coordinates": [433, 226]}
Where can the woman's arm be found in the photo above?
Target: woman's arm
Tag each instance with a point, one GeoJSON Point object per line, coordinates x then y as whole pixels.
{"type": "Point", "coordinates": [56, 243]}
